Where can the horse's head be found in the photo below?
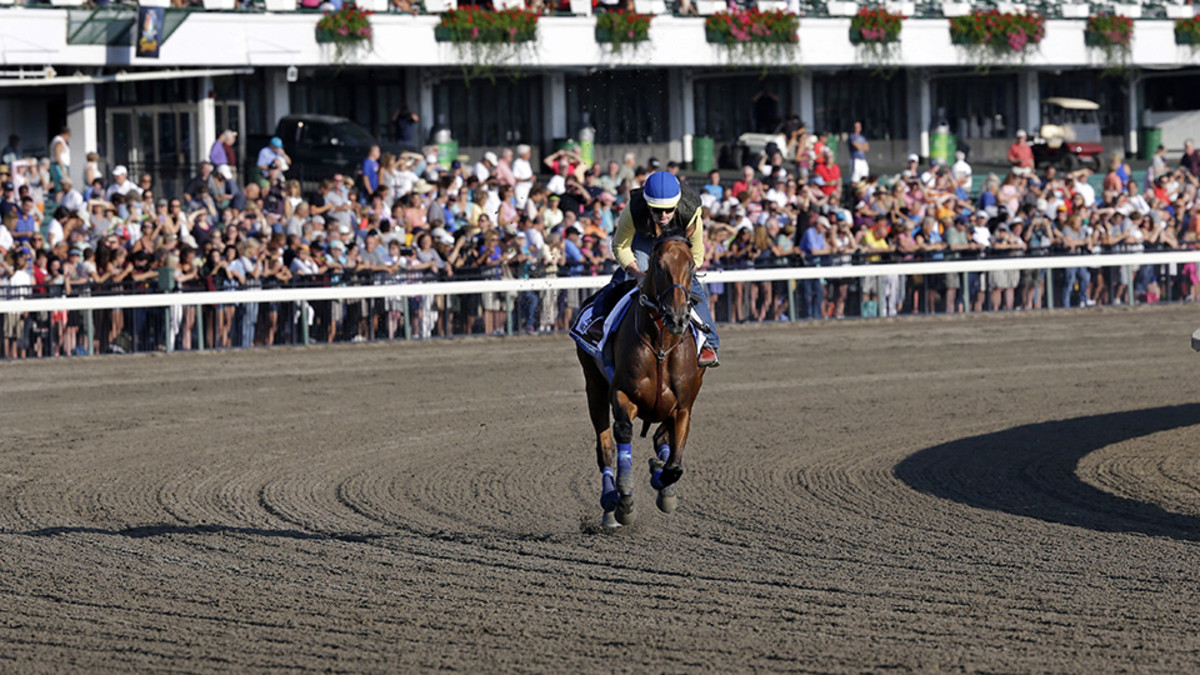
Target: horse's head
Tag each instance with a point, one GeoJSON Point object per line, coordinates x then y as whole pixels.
{"type": "Point", "coordinates": [669, 282]}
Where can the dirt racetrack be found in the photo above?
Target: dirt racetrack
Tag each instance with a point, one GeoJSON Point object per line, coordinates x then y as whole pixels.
{"type": "Point", "coordinates": [997, 493]}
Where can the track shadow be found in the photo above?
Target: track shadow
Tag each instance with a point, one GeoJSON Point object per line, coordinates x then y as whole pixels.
{"type": "Point", "coordinates": [145, 531]}
{"type": "Point", "coordinates": [1030, 471]}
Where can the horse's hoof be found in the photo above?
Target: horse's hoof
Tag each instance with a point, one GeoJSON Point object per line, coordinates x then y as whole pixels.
{"type": "Point", "coordinates": [667, 500]}
{"type": "Point", "coordinates": [609, 520]}
{"type": "Point", "coordinates": [671, 475]}
{"type": "Point", "coordinates": [625, 512]}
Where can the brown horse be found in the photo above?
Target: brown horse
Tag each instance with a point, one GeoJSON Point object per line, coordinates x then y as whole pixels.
{"type": "Point", "coordinates": [655, 379]}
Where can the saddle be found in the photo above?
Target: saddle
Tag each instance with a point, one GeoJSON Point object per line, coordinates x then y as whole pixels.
{"type": "Point", "coordinates": [588, 324]}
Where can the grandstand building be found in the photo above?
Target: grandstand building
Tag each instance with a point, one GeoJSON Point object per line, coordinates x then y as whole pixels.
{"type": "Point", "coordinates": [245, 70]}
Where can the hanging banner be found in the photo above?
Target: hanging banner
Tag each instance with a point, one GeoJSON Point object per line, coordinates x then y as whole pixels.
{"type": "Point", "coordinates": [149, 36]}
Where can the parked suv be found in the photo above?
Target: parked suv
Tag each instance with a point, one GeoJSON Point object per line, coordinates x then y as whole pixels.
{"type": "Point", "coordinates": [322, 145]}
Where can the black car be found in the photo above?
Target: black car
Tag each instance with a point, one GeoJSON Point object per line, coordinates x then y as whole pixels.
{"type": "Point", "coordinates": [322, 145]}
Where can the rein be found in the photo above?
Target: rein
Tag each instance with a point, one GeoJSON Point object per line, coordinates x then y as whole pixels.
{"type": "Point", "coordinates": [654, 308]}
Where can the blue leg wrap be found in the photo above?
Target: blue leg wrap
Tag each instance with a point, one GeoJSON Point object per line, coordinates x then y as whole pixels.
{"type": "Point", "coordinates": [624, 458]}
{"type": "Point", "coordinates": [608, 490]}
{"type": "Point", "coordinates": [664, 453]}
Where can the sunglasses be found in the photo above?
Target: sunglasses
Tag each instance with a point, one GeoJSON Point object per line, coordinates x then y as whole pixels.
{"type": "Point", "coordinates": [654, 211]}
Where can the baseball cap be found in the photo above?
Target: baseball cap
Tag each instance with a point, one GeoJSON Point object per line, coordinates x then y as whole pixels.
{"type": "Point", "coordinates": [653, 163]}
{"type": "Point", "coordinates": [491, 157]}
{"type": "Point", "coordinates": [1021, 133]}
{"type": "Point", "coordinates": [120, 170]}
{"type": "Point", "coordinates": [225, 172]}
{"type": "Point", "coordinates": [914, 158]}
{"type": "Point", "coordinates": [276, 142]}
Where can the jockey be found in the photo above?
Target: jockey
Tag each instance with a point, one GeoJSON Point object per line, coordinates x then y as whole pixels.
{"type": "Point", "coordinates": [663, 204]}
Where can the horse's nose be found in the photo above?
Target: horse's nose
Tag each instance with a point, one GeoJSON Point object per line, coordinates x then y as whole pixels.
{"type": "Point", "coordinates": [679, 323]}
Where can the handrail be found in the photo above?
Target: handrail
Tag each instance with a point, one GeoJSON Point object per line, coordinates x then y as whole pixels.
{"type": "Point", "coordinates": [420, 288]}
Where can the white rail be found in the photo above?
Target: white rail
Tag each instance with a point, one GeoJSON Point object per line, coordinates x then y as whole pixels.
{"type": "Point", "coordinates": [505, 285]}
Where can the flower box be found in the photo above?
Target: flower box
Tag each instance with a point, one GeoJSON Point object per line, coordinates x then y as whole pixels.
{"type": "Point", "coordinates": [440, 6]}
{"type": "Point", "coordinates": [219, 4]}
{"type": "Point", "coordinates": [650, 6]}
{"type": "Point", "coordinates": [951, 9]}
{"type": "Point", "coordinates": [1180, 11]}
{"type": "Point", "coordinates": [581, 7]}
{"type": "Point", "coordinates": [715, 37]}
{"type": "Point", "coordinates": [905, 8]}
{"type": "Point", "coordinates": [1011, 7]}
{"type": "Point", "coordinates": [772, 5]}
{"type": "Point", "coordinates": [1075, 10]}
{"type": "Point", "coordinates": [441, 34]}
{"type": "Point", "coordinates": [280, 5]}
{"type": "Point", "coordinates": [856, 38]}
{"type": "Point", "coordinates": [1092, 39]}
{"type": "Point", "coordinates": [372, 5]}
{"type": "Point", "coordinates": [841, 8]}
{"type": "Point", "coordinates": [708, 7]}
{"type": "Point", "coordinates": [1131, 11]}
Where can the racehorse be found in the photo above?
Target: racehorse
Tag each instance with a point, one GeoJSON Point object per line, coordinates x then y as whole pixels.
{"type": "Point", "coordinates": [655, 379]}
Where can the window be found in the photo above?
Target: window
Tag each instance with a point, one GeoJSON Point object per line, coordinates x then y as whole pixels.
{"type": "Point", "coordinates": [880, 103]}
{"type": "Point", "coordinates": [486, 113]}
{"type": "Point", "coordinates": [624, 106]}
{"type": "Point", "coordinates": [1107, 91]}
{"type": "Point", "coordinates": [728, 106]}
{"type": "Point", "coordinates": [979, 106]}
{"type": "Point", "coordinates": [365, 96]}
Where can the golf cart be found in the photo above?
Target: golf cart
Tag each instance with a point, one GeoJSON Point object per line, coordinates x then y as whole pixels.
{"type": "Point", "coordinates": [1070, 134]}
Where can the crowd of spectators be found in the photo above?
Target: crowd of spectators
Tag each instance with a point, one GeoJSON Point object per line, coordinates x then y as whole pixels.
{"type": "Point", "coordinates": [408, 218]}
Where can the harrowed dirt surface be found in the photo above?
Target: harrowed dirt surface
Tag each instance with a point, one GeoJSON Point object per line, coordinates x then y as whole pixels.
{"type": "Point", "coordinates": [996, 493]}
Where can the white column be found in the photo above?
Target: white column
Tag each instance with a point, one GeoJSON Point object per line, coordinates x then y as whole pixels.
{"type": "Point", "coordinates": [81, 118]}
{"type": "Point", "coordinates": [681, 114]}
{"type": "Point", "coordinates": [920, 111]}
{"type": "Point", "coordinates": [1133, 114]}
{"type": "Point", "coordinates": [1029, 102]}
{"type": "Point", "coordinates": [423, 84]}
{"type": "Point", "coordinates": [279, 100]}
{"type": "Point", "coordinates": [554, 107]}
{"type": "Point", "coordinates": [802, 98]}
{"type": "Point", "coordinates": [206, 120]}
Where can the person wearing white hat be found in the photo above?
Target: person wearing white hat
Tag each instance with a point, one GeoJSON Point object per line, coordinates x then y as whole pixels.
{"type": "Point", "coordinates": [1020, 155]}
{"type": "Point", "coordinates": [484, 167]}
{"type": "Point", "coordinates": [523, 174]}
{"type": "Point", "coordinates": [121, 184]}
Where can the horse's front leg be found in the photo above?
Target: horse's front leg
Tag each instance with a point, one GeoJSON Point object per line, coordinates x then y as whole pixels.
{"type": "Point", "coordinates": [673, 469]}
{"type": "Point", "coordinates": [667, 498]}
{"type": "Point", "coordinates": [622, 430]}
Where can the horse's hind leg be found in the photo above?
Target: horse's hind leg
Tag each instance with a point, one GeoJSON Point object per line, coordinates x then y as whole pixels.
{"type": "Point", "coordinates": [598, 410]}
{"type": "Point", "coordinates": [623, 413]}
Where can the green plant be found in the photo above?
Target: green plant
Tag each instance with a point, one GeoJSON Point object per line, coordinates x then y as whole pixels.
{"type": "Point", "coordinates": [622, 28]}
{"type": "Point", "coordinates": [753, 36]}
{"type": "Point", "coordinates": [876, 31]}
{"type": "Point", "coordinates": [1187, 32]}
{"type": "Point", "coordinates": [1114, 35]}
{"type": "Point", "coordinates": [486, 39]}
{"type": "Point", "coordinates": [995, 37]}
{"type": "Point", "coordinates": [346, 29]}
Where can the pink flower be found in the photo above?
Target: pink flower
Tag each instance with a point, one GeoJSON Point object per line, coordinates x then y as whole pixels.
{"type": "Point", "coordinates": [1017, 40]}
{"type": "Point", "coordinates": [343, 31]}
{"type": "Point", "coordinates": [475, 32]}
{"type": "Point", "coordinates": [512, 31]}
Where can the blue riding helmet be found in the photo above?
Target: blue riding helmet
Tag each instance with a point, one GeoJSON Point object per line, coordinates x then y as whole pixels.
{"type": "Point", "coordinates": [661, 190]}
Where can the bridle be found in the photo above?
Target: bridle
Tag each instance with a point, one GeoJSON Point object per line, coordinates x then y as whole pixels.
{"type": "Point", "coordinates": [655, 304]}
